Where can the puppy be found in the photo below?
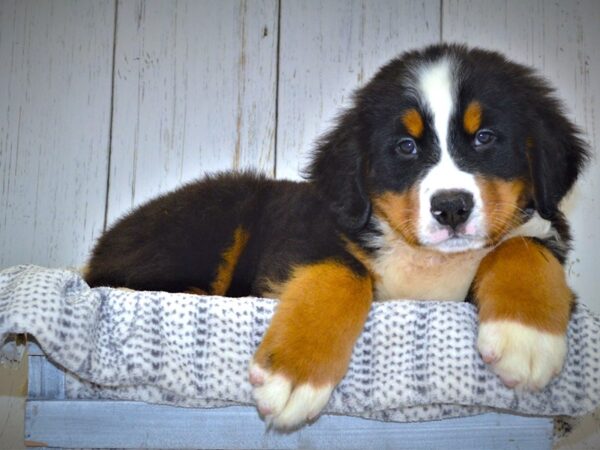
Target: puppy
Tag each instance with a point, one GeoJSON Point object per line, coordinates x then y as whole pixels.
{"type": "Point", "coordinates": [440, 182]}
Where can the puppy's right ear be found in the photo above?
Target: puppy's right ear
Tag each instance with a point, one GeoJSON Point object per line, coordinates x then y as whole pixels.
{"type": "Point", "coordinates": [556, 156]}
{"type": "Point", "coordinates": [338, 170]}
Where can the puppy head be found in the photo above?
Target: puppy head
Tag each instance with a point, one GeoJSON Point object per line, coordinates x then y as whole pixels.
{"type": "Point", "coordinates": [452, 147]}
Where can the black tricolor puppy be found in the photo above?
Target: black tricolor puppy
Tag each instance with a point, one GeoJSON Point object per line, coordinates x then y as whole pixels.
{"type": "Point", "coordinates": [441, 182]}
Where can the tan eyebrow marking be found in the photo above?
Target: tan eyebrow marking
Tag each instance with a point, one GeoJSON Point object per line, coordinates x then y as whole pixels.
{"type": "Point", "coordinates": [472, 117]}
{"type": "Point", "coordinates": [413, 122]}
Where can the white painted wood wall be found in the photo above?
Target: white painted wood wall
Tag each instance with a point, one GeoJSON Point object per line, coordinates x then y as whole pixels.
{"type": "Point", "coordinates": [104, 104]}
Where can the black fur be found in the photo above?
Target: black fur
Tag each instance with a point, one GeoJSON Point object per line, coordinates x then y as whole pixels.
{"type": "Point", "coordinates": [176, 242]}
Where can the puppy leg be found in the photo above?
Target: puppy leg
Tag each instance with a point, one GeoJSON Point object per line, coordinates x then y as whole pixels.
{"type": "Point", "coordinates": [306, 350]}
{"type": "Point", "coordinates": [524, 308]}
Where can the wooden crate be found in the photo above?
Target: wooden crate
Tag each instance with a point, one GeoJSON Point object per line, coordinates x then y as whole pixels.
{"type": "Point", "coordinates": [52, 420]}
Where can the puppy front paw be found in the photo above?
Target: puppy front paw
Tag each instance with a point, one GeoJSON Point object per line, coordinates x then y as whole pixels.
{"type": "Point", "coordinates": [307, 348]}
{"type": "Point", "coordinates": [285, 402]}
{"type": "Point", "coordinates": [522, 356]}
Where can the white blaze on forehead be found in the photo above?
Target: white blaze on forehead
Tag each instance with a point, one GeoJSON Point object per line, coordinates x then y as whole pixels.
{"type": "Point", "coordinates": [437, 87]}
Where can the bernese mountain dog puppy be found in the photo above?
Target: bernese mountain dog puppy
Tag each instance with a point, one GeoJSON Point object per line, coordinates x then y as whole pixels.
{"type": "Point", "coordinates": [441, 182]}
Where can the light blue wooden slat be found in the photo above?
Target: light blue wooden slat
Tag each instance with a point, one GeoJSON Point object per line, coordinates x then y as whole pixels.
{"type": "Point", "coordinates": [106, 424]}
{"type": "Point", "coordinates": [46, 381]}
{"type": "Point", "coordinates": [33, 349]}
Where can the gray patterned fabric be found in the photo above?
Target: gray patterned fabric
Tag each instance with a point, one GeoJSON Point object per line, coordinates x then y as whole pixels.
{"type": "Point", "coordinates": [413, 361]}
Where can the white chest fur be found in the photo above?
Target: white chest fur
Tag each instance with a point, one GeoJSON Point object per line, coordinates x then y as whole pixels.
{"type": "Point", "coordinates": [415, 273]}
{"type": "Point", "coordinates": [407, 272]}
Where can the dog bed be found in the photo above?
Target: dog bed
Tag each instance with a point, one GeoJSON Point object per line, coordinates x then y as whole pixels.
{"type": "Point", "coordinates": [414, 361]}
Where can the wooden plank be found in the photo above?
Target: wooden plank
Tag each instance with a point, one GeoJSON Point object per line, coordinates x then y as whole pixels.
{"type": "Point", "coordinates": [103, 424]}
{"type": "Point", "coordinates": [13, 392]}
{"type": "Point", "coordinates": [55, 89]}
{"type": "Point", "coordinates": [561, 40]}
{"type": "Point", "coordinates": [194, 93]}
{"type": "Point", "coordinates": [33, 349]}
{"type": "Point", "coordinates": [45, 380]}
{"type": "Point", "coordinates": [330, 47]}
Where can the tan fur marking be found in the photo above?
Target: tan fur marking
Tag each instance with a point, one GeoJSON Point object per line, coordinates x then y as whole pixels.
{"type": "Point", "coordinates": [413, 122]}
{"type": "Point", "coordinates": [472, 117]}
{"type": "Point", "coordinates": [356, 251]}
{"type": "Point", "coordinates": [271, 289]}
{"type": "Point", "coordinates": [196, 291]}
{"type": "Point", "coordinates": [275, 290]}
{"type": "Point", "coordinates": [229, 260]}
{"type": "Point", "coordinates": [400, 211]}
{"type": "Point", "coordinates": [522, 281]}
{"type": "Point", "coordinates": [84, 271]}
{"type": "Point", "coordinates": [322, 311]}
{"type": "Point", "coordinates": [502, 202]}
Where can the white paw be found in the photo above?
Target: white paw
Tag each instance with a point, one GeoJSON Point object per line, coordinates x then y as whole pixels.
{"type": "Point", "coordinates": [282, 405]}
{"type": "Point", "coordinates": [522, 356]}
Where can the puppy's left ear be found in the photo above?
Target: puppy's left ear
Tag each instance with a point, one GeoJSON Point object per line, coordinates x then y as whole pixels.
{"type": "Point", "coordinates": [338, 170]}
{"type": "Point", "coordinates": [556, 156]}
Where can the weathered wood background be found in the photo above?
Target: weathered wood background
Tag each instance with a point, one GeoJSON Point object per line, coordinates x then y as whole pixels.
{"type": "Point", "coordinates": [106, 103]}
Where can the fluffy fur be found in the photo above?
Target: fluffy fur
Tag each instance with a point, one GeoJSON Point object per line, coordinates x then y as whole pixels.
{"type": "Point", "coordinates": [442, 181]}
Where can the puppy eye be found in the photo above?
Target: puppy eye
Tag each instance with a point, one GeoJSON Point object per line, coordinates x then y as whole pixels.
{"type": "Point", "coordinates": [483, 138]}
{"type": "Point", "coordinates": [406, 147]}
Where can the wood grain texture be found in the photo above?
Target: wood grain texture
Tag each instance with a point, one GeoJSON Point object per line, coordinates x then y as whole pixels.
{"type": "Point", "coordinates": [55, 86]}
{"type": "Point", "coordinates": [13, 391]}
{"type": "Point", "coordinates": [330, 47]}
{"type": "Point", "coordinates": [195, 88]}
{"type": "Point", "coordinates": [561, 40]}
{"type": "Point", "coordinates": [194, 93]}
{"type": "Point", "coordinates": [121, 424]}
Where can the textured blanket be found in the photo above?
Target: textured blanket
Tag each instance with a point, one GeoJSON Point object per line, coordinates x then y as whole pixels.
{"type": "Point", "coordinates": [413, 361]}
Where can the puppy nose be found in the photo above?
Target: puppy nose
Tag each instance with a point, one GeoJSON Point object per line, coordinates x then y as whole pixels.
{"type": "Point", "coordinates": [452, 207]}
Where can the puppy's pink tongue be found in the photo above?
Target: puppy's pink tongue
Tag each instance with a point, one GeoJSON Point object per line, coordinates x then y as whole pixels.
{"type": "Point", "coordinates": [470, 229]}
{"type": "Point", "coordinates": [439, 236]}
